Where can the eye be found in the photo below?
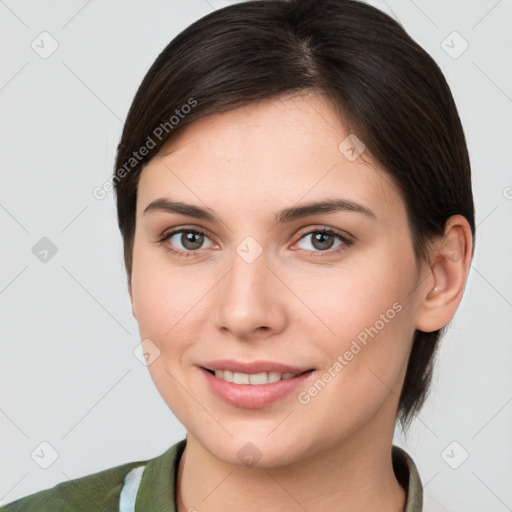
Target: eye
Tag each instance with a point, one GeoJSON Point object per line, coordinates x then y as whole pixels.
{"type": "Point", "coordinates": [190, 239]}
{"type": "Point", "coordinates": [323, 240]}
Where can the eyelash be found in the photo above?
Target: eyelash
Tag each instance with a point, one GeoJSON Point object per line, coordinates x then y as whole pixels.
{"type": "Point", "coordinates": [315, 254]}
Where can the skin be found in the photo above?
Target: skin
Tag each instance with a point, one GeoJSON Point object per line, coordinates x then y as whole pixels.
{"type": "Point", "coordinates": [296, 303]}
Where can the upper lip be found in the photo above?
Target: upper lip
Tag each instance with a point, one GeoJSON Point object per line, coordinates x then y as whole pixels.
{"type": "Point", "coordinates": [253, 366]}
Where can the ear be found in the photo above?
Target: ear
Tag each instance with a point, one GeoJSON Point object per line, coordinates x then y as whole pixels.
{"type": "Point", "coordinates": [442, 288]}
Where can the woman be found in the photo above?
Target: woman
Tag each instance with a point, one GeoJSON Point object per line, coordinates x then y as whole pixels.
{"type": "Point", "coordinates": [294, 196]}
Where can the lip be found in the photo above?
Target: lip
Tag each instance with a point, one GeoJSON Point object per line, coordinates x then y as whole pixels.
{"type": "Point", "coordinates": [256, 396]}
{"type": "Point", "coordinates": [253, 366]}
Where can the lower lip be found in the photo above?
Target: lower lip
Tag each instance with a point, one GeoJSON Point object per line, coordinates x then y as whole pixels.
{"type": "Point", "coordinates": [252, 396]}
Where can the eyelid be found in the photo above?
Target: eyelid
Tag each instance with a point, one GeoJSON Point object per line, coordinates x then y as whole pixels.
{"type": "Point", "coordinates": [344, 234]}
{"type": "Point", "coordinates": [169, 233]}
{"type": "Point", "coordinates": [338, 232]}
{"type": "Point", "coordinates": [346, 238]}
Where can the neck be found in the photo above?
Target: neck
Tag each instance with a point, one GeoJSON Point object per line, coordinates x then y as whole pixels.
{"type": "Point", "coordinates": [356, 474]}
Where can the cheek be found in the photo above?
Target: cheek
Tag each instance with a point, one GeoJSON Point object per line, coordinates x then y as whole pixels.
{"type": "Point", "coordinates": [362, 373]}
{"type": "Point", "coordinates": [356, 300]}
{"type": "Point", "coordinates": [165, 303]}
{"type": "Point", "coordinates": [164, 298]}
{"type": "Point", "coordinates": [365, 357]}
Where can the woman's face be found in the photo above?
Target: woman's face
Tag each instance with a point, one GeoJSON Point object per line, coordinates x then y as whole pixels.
{"type": "Point", "coordinates": [263, 284]}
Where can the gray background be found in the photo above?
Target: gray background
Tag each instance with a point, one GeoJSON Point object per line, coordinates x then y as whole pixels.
{"type": "Point", "coordinates": [68, 375]}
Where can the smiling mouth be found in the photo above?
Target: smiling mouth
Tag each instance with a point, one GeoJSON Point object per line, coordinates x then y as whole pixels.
{"type": "Point", "coordinates": [253, 378]}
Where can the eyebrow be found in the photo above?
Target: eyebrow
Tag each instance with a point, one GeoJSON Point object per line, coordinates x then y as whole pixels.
{"type": "Point", "coordinates": [282, 216]}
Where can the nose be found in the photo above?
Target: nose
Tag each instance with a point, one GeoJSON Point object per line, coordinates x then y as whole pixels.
{"type": "Point", "coordinates": [250, 300]}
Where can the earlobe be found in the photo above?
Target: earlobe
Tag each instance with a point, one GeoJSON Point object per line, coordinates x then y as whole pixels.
{"type": "Point", "coordinates": [442, 290]}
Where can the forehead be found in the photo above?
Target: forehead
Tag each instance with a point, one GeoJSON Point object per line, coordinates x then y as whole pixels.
{"type": "Point", "coordinates": [273, 152]}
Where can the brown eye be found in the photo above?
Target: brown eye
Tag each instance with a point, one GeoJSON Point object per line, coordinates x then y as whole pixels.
{"type": "Point", "coordinates": [324, 240]}
{"type": "Point", "coordinates": [191, 240]}
{"type": "Point", "coordinates": [184, 241]}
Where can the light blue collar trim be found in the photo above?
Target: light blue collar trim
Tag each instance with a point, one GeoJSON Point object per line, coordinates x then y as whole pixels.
{"type": "Point", "coordinates": [130, 488]}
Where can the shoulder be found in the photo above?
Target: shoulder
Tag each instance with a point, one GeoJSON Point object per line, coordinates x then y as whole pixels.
{"type": "Point", "coordinates": [98, 492]}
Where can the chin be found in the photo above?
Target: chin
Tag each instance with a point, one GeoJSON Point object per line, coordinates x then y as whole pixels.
{"type": "Point", "coordinates": [246, 450]}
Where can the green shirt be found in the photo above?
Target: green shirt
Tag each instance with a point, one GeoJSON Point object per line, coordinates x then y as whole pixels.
{"type": "Point", "coordinates": [149, 485]}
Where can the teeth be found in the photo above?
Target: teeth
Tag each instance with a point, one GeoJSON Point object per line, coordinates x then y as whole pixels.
{"type": "Point", "coordinates": [274, 376]}
{"type": "Point", "coordinates": [241, 378]}
{"type": "Point", "coordinates": [252, 378]}
{"type": "Point", "coordinates": [258, 378]}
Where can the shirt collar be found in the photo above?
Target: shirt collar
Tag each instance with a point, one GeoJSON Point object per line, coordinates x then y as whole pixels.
{"type": "Point", "coordinates": [409, 478]}
{"type": "Point", "coordinates": [158, 484]}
